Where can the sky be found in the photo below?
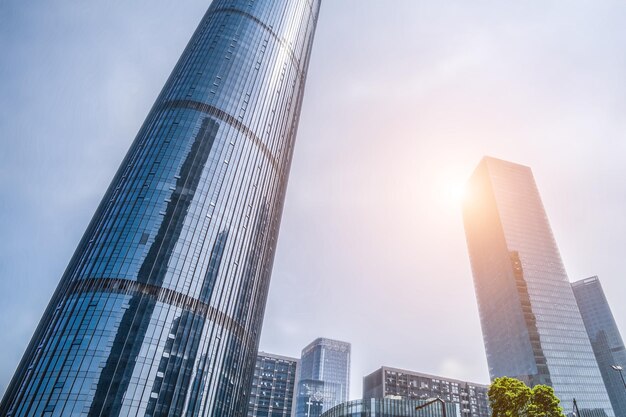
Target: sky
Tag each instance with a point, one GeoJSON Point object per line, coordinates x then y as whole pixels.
{"type": "Point", "coordinates": [403, 99]}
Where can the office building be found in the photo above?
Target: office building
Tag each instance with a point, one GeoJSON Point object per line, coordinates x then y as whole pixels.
{"type": "Point", "coordinates": [390, 407]}
{"type": "Point", "coordinates": [605, 338]}
{"type": "Point", "coordinates": [160, 309]}
{"type": "Point", "coordinates": [311, 398]}
{"type": "Point", "coordinates": [470, 399]}
{"type": "Point", "coordinates": [273, 386]}
{"type": "Point", "coordinates": [532, 328]}
{"type": "Point", "coordinates": [324, 377]}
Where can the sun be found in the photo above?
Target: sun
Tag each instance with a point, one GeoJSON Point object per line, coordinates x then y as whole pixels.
{"type": "Point", "coordinates": [453, 193]}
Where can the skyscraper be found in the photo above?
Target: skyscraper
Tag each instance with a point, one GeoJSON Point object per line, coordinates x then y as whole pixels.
{"type": "Point", "coordinates": [324, 377]}
{"type": "Point", "coordinates": [469, 399]}
{"type": "Point", "coordinates": [605, 338]}
{"type": "Point", "coordinates": [160, 309]}
{"type": "Point", "coordinates": [273, 386]}
{"type": "Point", "coordinates": [531, 324]}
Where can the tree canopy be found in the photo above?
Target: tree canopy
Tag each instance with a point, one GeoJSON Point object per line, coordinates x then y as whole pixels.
{"type": "Point", "coordinates": [510, 397]}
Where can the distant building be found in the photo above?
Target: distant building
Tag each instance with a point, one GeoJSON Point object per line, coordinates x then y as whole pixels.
{"type": "Point", "coordinates": [605, 337]}
{"type": "Point", "coordinates": [469, 399]}
{"type": "Point", "coordinates": [324, 377]}
{"type": "Point", "coordinates": [311, 398]}
{"type": "Point", "coordinates": [532, 328]}
{"type": "Point", "coordinates": [273, 386]}
{"type": "Point", "coordinates": [389, 407]}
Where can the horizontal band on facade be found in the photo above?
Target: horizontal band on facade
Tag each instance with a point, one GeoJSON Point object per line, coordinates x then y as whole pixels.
{"type": "Point", "coordinates": [227, 118]}
{"type": "Point", "coordinates": [160, 294]}
{"type": "Point", "coordinates": [268, 28]}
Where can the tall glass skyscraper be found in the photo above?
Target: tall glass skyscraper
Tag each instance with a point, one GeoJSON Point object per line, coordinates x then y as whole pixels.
{"type": "Point", "coordinates": [605, 337]}
{"type": "Point", "coordinates": [531, 324]}
{"type": "Point", "coordinates": [324, 377]}
{"type": "Point", "coordinates": [160, 309]}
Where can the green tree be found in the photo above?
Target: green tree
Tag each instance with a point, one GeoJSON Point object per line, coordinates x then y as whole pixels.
{"type": "Point", "coordinates": [543, 403]}
{"type": "Point", "coordinates": [510, 397]}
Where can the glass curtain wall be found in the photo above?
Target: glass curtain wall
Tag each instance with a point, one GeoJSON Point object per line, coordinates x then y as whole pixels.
{"type": "Point", "coordinates": [160, 309]}
{"type": "Point", "coordinates": [605, 338]}
{"type": "Point", "coordinates": [531, 324]}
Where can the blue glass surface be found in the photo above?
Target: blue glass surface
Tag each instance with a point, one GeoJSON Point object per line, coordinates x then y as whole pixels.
{"type": "Point", "coordinates": [324, 377]}
{"type": "Point", "coordinates": [160, 308]}
{"type": "Point", "coordinates": [606, 340]}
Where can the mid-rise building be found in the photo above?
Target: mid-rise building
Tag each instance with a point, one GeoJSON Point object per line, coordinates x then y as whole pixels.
{"type": "Point", "coordinates": [273, 391]}
{"type": "Point", "coordinates": [324, 376]}
{"type": "Point", "coordinates": [159, 311]}
{"type": "Point", "coordinates": [470, 399]}
{"type": "Point", "coordinates": [605, 338]}
{"type": "Point", "coordinates": [390, 407]}
{"type": "Point", "coordinates": [532, 327]}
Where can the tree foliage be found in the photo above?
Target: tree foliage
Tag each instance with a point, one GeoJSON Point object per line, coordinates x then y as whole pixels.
{"type": "Point", "coordinates": [510, 397]}
{"type": "Point", "coordinates": [543, 403]}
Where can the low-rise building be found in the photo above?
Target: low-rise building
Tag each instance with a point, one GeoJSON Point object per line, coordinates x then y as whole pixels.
{"type": "Point", "coordinates": [390, 407]}
{"type": "Point", "coordinates": [469, 398]}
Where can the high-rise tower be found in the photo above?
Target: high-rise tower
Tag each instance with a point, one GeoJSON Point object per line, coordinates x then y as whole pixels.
{"type": "Point", "coordinates": [605, 338]}
{"type": "Point", "coordinates": [160, 309]}
{"type": "Point", "coordinates": [324, 377]}
{"type": "Point", "coordinates": [531, 324]}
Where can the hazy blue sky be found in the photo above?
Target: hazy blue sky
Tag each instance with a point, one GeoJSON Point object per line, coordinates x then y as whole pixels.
{"type": "Point", "coordinates": [403, 99]}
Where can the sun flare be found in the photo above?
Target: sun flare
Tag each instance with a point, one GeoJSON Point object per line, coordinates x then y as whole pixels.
{"type": "Point", "coordinates": [453, 193]}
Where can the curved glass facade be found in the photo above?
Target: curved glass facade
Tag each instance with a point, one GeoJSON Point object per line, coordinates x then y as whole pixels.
{"type": "Point", "coordinates": [160, 308]}
{"type": "Point", "coordinates": [389, 407]}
